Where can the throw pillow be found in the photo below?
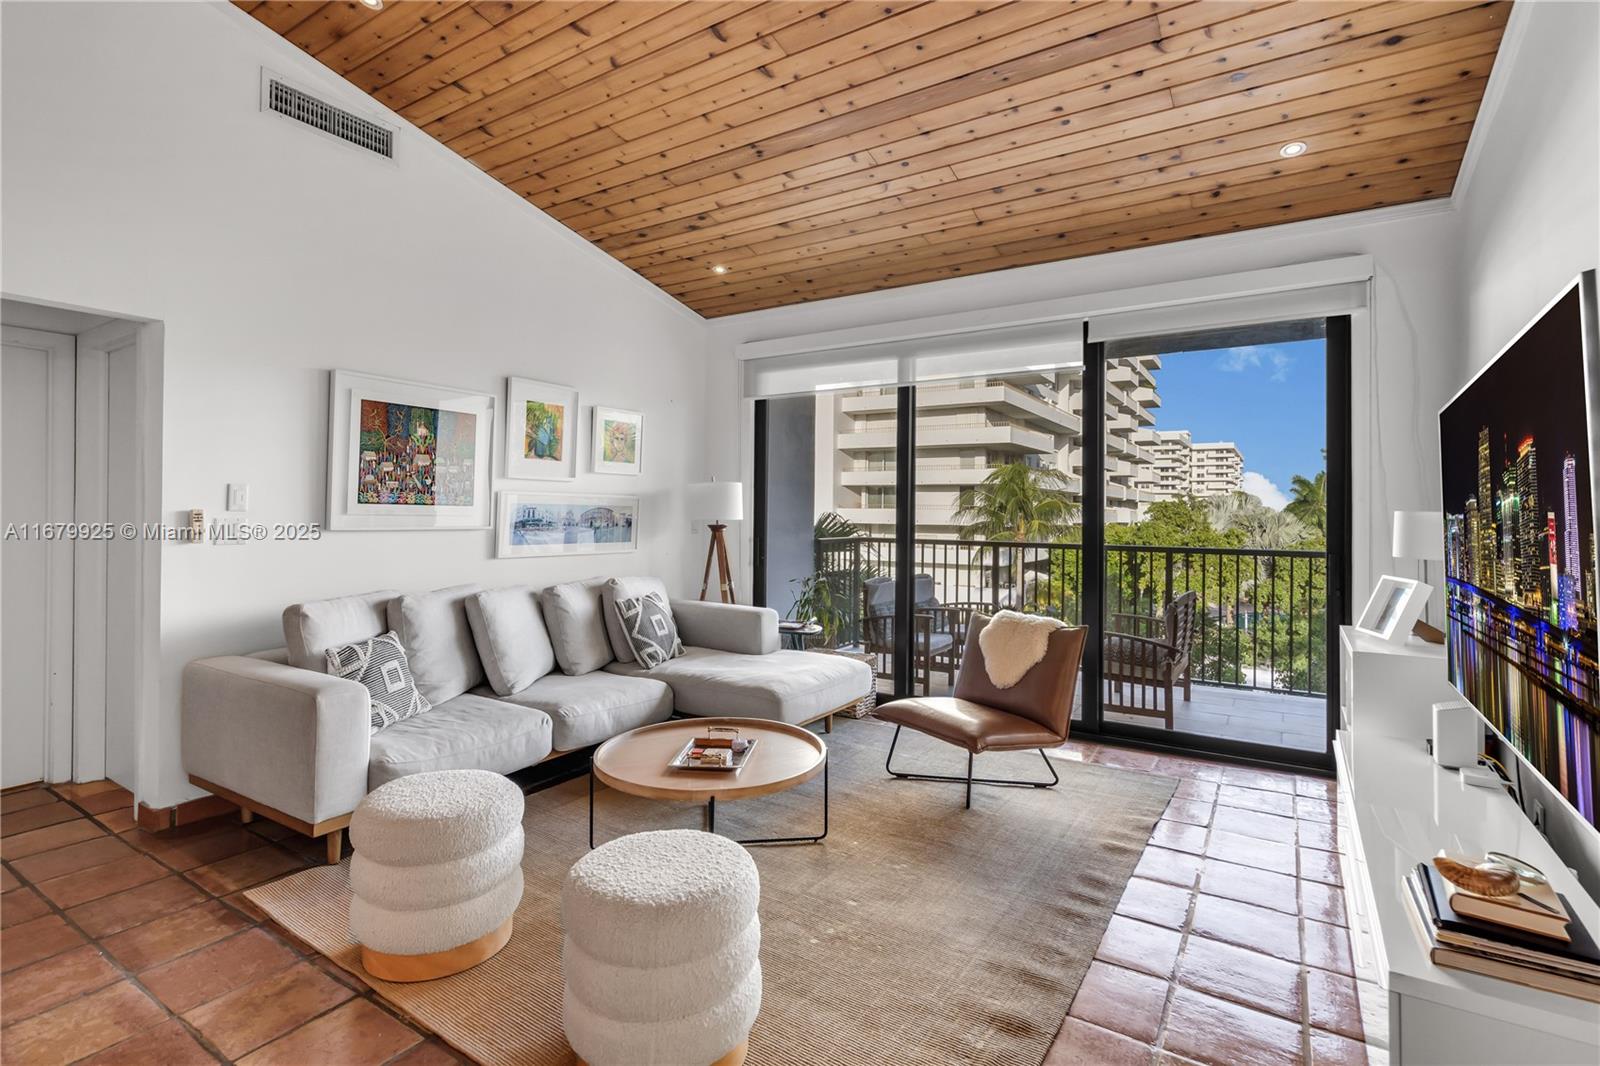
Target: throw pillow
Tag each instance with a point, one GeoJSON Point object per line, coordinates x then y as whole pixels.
{"type": "Point", "coordinates": [651, 632]}
{"type": "Point", "coordinates": [380, 664]}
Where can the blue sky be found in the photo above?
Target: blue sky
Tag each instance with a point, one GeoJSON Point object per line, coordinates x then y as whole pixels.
{"type": "Point", "coordinates": [1268, 399]}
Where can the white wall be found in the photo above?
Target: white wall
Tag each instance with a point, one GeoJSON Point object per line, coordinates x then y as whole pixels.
{"type": "Point", "coordinates": [1530, 223]}
{"type": "Point", "coordinates": [1531, 211]}
{"type": "Point", "coordinates": [140, 179]}
{"type": "Point", "coordinates": [1405, 375]}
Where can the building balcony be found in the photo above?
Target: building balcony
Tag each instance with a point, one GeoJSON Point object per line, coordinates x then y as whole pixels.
{"type": "Point", "coordinates": [1001, 398]}
{"type": "Point", "coordinates": [999, 438]}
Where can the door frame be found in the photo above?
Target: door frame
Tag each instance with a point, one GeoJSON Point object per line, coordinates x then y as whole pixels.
{"type": "Point", "coordinates": [1339, 539]}
{"type": "Point", "coordinates": [61, 409]}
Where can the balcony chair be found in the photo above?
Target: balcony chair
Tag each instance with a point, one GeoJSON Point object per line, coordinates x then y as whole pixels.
{"type": "Point", "coordinates": [1035, 713]}
{"type": "Point", "coordinates": [1145, 655]}
{"type": "Point", "coordinates": [940, 630]}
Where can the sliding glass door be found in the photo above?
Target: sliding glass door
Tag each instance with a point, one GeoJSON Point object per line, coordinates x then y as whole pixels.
{"type": "Point", "coordinates": [1216, 562]}
{"type": "Point", "coordinates": [1183, 496]}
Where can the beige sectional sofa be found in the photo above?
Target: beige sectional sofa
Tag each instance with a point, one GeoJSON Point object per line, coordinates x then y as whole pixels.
{"type": "Point", "coordinates": [513, 675]}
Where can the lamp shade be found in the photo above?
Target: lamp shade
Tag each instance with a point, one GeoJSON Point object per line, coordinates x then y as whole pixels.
{"type": "Point", "coordinates": [717, 501]}
{"type": "Point", "coordinates": [1418, 535]}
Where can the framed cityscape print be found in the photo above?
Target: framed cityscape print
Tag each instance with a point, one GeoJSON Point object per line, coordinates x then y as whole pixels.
{"type": "Point", "coordinates": [618, 440]}
{"type": "Point", "coordinates": [405, 455]}
{"type": "Point", "coordinates": [541, 430]}
{"type": "Point", "coordinates": [537, 523]}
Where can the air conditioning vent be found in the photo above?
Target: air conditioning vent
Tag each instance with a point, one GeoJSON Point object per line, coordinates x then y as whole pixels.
{"type": "Point", "coordinates": [279, 96]}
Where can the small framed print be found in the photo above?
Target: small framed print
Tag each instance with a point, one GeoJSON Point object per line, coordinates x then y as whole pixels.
{"type": "Point", "coordinates": [1394, 608]}
{"type": "Point", "coordinates": [618, 440]}
{"type": "Point", "coordinates": [405, 455]}
{"type": "Point", "coordinates": [541, 430]}
{"type": "Point", "coordinates": [539, 523]}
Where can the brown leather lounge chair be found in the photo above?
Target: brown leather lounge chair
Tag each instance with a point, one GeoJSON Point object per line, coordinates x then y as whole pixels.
{"type": "Point", "coordinates": [1036, 712]}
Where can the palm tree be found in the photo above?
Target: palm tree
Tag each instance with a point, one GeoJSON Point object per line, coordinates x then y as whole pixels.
{"type": "Point", "coordinates": [1019, 504]}
{"type": "Point", "coordinates": [1310, 500]}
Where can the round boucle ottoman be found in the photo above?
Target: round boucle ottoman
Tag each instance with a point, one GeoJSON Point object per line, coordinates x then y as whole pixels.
{"type": "Point", "coordinates": [437, 872]}
{"type": "Point", "coordinates": [661, 955]}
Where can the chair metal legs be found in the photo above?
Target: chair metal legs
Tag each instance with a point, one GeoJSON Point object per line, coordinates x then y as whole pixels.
{"type": "Point", "coordinates": [969, 780]}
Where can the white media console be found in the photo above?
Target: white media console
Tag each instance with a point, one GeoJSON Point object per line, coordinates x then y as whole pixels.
{"type": "Point", "coordinates": [1397, 807]}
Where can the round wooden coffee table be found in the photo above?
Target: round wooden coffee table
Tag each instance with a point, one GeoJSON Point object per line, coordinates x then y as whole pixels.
{"type": "Point", "coordinates": [785, 756]}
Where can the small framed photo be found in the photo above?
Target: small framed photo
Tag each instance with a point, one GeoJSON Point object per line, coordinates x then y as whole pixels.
{"type": "Point", "coordinates": [618, 440]}
{"type": "Point", "coordinates": [407, 455]}
{"type": "Point", "coordinates": [541, 430]}
{"type": "Point", "coordinates": [1394, 608]}
{"type": "Point", "coordinates": [539, 523]}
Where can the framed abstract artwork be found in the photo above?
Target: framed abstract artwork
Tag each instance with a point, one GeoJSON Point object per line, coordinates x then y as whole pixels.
{"type": "Point", "coordinates": [405, 455]}
{"type": "Point", "coordinates": [618, 440]}
{"type": "Point", "coordinates": [537, 523]}
{"type": "Point", "coordinates": [541, 430]}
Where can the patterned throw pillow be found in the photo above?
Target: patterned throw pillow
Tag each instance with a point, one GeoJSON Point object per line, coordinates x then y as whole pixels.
{"type": "Point", "coordinates": [380, 664]}
{"type": "Point", "coordinates": [648, 625]}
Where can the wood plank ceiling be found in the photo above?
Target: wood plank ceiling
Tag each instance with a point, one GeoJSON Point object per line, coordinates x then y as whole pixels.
{"type": "Point", "coordinates": [750, 155]}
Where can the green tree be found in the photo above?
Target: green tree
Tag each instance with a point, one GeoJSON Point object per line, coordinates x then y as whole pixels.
{"type": "Point", "coordinates": [1019, 504]}
{"type": "Point", "coordinates": [1310, 500]}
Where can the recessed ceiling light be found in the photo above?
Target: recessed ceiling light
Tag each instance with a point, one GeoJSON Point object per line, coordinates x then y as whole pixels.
{"type": "Point", "coordinates": [1292, 149]}
{"type": "Point", "coordinates": [376, 5]}
{"type": "Point", "coordinates": [719, 269]}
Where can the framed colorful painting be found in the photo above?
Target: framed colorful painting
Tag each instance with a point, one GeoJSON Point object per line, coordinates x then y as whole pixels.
{"type": "Point", "coordinates": [618, 440]}
{"type": "Point", "coordinates": [405, 455]}
{"type": "Point", "coordinates": [541, 430]}
{"type": "Point", "coordinates": [538, 523]}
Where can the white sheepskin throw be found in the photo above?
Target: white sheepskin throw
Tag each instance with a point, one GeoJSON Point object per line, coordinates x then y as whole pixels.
{"type": "Point", "coordinates": [1014, 643]}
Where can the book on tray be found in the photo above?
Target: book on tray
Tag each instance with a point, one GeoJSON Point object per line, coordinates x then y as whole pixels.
{"type": "Point", "coordinates": [1570, 967]}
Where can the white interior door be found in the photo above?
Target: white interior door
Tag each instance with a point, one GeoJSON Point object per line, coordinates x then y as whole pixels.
{"type": "Point", "coordinates": [37, 399]}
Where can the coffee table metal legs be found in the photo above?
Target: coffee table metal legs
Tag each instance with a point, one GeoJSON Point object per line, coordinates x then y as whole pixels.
{"type": "Point", "coordinates": [711, 817]}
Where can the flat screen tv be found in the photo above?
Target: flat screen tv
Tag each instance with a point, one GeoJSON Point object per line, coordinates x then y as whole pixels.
{"type": "Point", "coordinates": [1518, 456]}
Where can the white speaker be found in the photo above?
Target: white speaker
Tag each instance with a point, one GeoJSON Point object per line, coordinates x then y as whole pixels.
{"type": "Point", "coordinates": [1457, 735]}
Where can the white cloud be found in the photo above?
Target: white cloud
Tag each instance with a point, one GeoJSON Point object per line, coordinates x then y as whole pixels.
{"type": "Point", "coordinates": [1235, 360]}
{"type": "Point", "coordinates": [1256, 357]}
{"type": "Point", "coordinates": [1262, 488]}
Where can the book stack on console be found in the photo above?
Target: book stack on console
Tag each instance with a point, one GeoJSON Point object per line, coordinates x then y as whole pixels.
{"type": "Point", "coordinates": [1531, 938]}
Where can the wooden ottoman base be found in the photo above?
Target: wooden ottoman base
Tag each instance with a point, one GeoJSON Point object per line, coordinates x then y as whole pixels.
{"type": "Point", "coordinates": [732, 1058]}
{"type": "Point", "coordinates": [435, 964]}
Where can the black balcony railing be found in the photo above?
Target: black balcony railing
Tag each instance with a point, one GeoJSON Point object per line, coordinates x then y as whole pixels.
{"type": "Point", "coordinates": [1261, 622]}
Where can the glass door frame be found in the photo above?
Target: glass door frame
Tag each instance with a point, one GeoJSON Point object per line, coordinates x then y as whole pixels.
{"type": "Point", "coordinates": [1091, 720]}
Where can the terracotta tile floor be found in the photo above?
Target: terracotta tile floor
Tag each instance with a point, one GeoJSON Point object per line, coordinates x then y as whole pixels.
{"type": "Point", "coordinates": [120, 946]}
{"type": "Point", "coordinates": [125, 947]}
{"type": "Point", "coordinates": [1229, 945]}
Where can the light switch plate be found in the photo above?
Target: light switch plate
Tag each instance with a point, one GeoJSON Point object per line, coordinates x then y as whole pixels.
{"type": "Point", "coordinates": [238, 497]}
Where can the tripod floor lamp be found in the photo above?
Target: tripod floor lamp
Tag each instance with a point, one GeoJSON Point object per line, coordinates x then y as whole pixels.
{"type": "Point", "coordinates": [717, 502]}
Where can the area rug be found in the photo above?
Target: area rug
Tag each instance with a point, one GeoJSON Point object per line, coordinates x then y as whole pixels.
{"type": "Point", "coordinates": [917, 932]}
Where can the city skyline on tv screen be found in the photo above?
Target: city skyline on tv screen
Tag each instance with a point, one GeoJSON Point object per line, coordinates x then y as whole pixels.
{"type": "Point", "coordinates": [1516, 465]}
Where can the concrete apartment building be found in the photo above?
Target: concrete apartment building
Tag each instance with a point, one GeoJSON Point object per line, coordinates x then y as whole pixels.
{"type": "Point", "coordinates": [966, 429]}
{"type": "Point", "coordinates": [1179, 467]}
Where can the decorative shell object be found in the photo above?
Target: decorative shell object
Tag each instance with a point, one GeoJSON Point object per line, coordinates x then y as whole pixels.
{"type": "Point", "coordinates": [1482, 879]}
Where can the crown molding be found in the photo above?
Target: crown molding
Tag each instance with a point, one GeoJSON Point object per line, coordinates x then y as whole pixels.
{"type": "Point", "coordinates": [1505, 61]}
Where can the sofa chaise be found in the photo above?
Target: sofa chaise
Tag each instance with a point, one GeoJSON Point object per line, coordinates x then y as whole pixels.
{"type": "Point", "coordinates": [514, 676]}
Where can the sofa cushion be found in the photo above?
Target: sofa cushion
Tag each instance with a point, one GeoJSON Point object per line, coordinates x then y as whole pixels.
{"type": "Point", "coordinates": [785, 686]}
{"type": "Point", "coordinates": [380, 666]}
{"type": "Point", "coordinates": [647, 623]}
{"type": "Point", "coordinates": [469, 732]}
{"type": "Point", "coordinates": [508, 629]}
{"type": "Point", "coordinates": [597, 706]}
{"type": "Point", "coordinates": [433, 629]}
{"type": "Point", "coordinates": [577, 627]}
{"type": "Point", "coordinates": [625, 588]}
{"type": "Point", "coordinates": [310, 629]}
